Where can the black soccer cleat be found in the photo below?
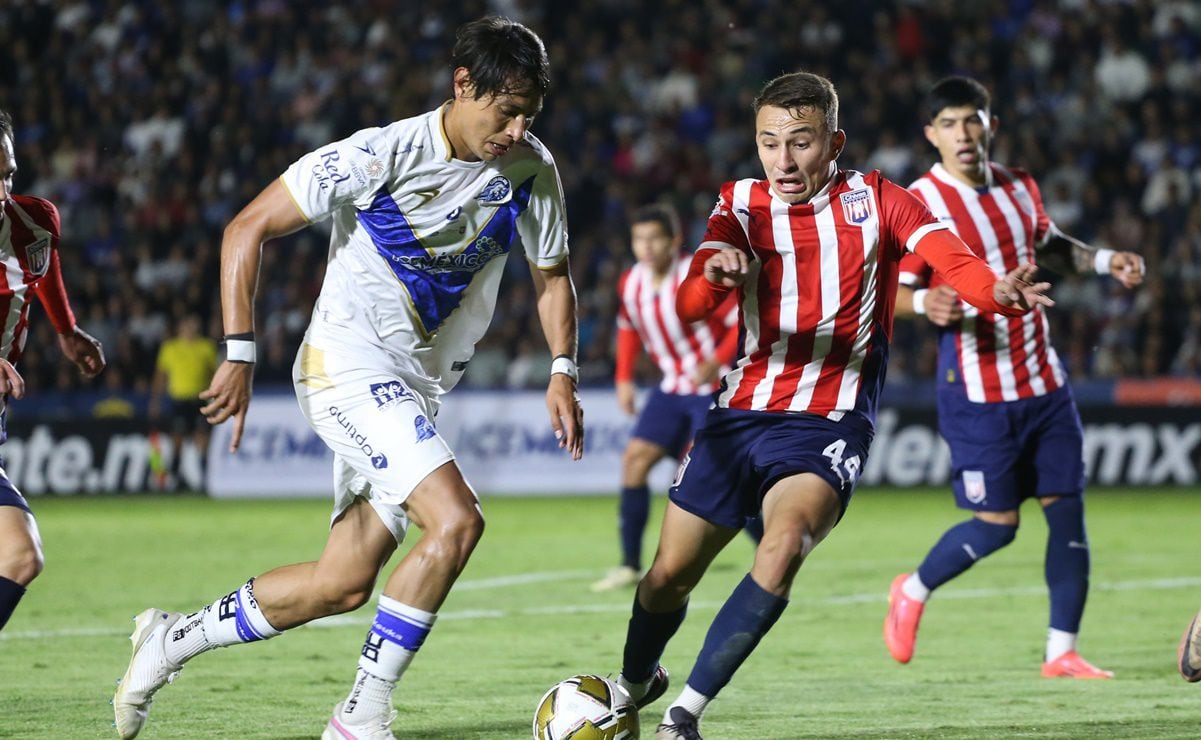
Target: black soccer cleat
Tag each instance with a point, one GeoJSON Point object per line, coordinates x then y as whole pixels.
{"type": "Point", "coordinates": [659, 683]}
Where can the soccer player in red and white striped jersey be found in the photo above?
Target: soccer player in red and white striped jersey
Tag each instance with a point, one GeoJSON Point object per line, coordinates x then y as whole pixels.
{"type": "Point", "coordinates": [814, 250]}
{"type": "Point", "coordinates": [1004, 405]}
{"type": "Point", "coordinates": [29, 232]}
{"type": "Point", "coordinates": [690, 355]}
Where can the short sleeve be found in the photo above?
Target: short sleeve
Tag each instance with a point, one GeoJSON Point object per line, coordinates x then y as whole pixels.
{"type": "Point", "coordinates": [723, 225]}
{"type": "Point", "coordinates": [905, 218]}
{"type": "Point", "coordinates": [543, 225]}
{"type": "Point", "coordinates": [346, 172]}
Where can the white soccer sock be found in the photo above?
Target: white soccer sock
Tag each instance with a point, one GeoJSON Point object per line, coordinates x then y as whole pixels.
{"type": "Point", "coordinates": [1059, 642]}
{"type": "Point", "coordinates": [396, 634]}
{"type": "Point", "coordinates": [636, 689]}
{"type": "Point", "coordinates": [915, 589]}
{"type": "Point", "coordinates": [692, 701]}
{"type": "Point", "coordinates": [232, 619]}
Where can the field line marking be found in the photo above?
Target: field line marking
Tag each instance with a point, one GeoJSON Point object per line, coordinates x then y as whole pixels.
{"type": "Point", "coordinates": [1153, 584]}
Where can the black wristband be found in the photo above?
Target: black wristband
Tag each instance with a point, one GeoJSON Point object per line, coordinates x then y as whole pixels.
{"type": "Point", "coordinates": [245, 336]}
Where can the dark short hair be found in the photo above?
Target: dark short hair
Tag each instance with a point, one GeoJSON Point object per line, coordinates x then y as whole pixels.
{"type": "Point", "coordinates": [799, 90]}
{"type": "Point", "coordinates": [956, 92]}
{"type": "Point", "coordinates": [6, 124]}
{"type": "Point", "coordinates": [658, 213]}
{"type": "Point", "coordinates": [502, 57]}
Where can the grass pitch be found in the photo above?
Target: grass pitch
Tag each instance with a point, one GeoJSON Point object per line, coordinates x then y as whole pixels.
{"type": "Point", "coordinates": [522, 618]}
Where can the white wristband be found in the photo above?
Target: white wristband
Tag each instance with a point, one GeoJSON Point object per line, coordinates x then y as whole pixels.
{"type": "Point", "coordinates": [919, 301]}
{"type": "Point", "coordinates": [1102, 260]}
{"type": "Point", "coordinates": [239, 350]}
{"type": "Point", "coordinates": [564, 365]}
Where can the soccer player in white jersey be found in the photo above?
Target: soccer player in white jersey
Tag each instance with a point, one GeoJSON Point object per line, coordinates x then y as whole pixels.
{"type": "Point", "coordinates": [29, 234]}
{"type": "Point", "coordinates": [1004, 405]}
{"type": "Point", "coordinates": [813, 250]}
{"type": "Point", "coordinates": [690, 357]}
{"type": "Point", "coordinates": [424, 212]}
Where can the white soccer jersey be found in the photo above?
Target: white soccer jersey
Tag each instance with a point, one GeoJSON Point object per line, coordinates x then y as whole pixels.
{"type": "Point", "coordinates": [419, 240]}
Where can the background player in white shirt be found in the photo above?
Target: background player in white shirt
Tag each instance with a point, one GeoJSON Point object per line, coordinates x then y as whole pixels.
{"type": "Point", "coordinates": [424, 212]}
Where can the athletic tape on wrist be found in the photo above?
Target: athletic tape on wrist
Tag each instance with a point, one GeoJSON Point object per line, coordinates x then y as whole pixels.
{"type": "Point", "coordinates": [1102, 261]}
{"type": "Point", "coordinates": [919, 301]}
{"type": "Point", "coordinates": [239, 350]}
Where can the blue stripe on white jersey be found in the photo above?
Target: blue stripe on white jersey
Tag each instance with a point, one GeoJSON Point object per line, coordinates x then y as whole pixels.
{"type": "Point", "coordinates": [435, 282]}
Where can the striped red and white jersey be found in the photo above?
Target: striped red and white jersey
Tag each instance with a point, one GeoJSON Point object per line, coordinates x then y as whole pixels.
{"type": "Point", "coordinates": [29, 232]}
{"type": "Point", "coordinates": [996, 358]}
{"type": "Point", "coordinates": [675, 346]}
{"type": "Point", "coordinates": [817, 303]}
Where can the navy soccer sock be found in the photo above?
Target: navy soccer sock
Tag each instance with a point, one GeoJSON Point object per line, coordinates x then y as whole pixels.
{"type": "Point", "coordinates": [1067, 562]}
{"type": "Point", "coordinates": [960, 547]}
{"type": "Point", "coordinates": [635, 508]}
{"type": "Point", "coordinates": [646, 637]}
{"type": "Point", "coordinates": [743, 620]}
{"type": "Point", "coordinates": [10, 593]}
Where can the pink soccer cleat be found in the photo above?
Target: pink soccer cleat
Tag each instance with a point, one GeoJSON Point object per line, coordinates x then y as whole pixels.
{"type": "Point", "coordinates": [1188, 654]}
{"type": "Point", "coordinates": [1071, 665]}
{"type": "Point", "coordinates": [900, 626]}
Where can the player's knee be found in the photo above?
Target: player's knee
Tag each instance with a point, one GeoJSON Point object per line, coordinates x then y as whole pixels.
{"type": "Point", "coordinates": [1003, 518]}
{"type": "Point", "coordinates": [456, 538]}
{"type": "Point", "coordinates": [22, 563]}
{"type": "Point", "coordinates": [665, 586]}
{"type": "Point", "coordinates": [637, 460]}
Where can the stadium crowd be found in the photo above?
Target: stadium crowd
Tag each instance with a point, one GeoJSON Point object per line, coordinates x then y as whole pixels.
{"type": "Point", "coordinates": [151, 123]}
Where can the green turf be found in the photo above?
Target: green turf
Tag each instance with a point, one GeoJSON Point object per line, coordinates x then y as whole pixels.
{"type": "Point", "coordinates": [822, 672]}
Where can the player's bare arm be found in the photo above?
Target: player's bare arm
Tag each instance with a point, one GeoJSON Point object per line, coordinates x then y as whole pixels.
{"type": "Point", "coordinates": [557, 312]}
{"type": "Point", "coordinates": [271, 214]}
{"type": "Point", "coordinates": [940, 304]}
{"type": "Point", "coordinates": [1063, 253]}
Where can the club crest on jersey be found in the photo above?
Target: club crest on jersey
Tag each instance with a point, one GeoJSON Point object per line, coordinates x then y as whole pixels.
{"type": "Point", "coordinates": [37, 256]}
{"type": "Point", "coordinates": [497, 192]}
{"type": "Point", "coordinates": [857, 206]}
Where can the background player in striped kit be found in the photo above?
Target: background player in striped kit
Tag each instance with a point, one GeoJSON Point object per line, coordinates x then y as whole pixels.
{"type": "Point", "coordinates": [1004, 405]}
{"type": "Point", "coordinates": [29, 233]}
{"type": "Point", "coordinates": [690, 356]}
{"type": "Point", "coordinates": [814, 250]}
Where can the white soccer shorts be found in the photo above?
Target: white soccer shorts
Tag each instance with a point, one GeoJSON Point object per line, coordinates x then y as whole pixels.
{"type": "Point", "coordinates": [381, 431]}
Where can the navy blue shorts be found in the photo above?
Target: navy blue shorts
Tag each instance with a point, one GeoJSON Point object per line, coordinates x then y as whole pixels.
{"type": "Point", "coordinates": [1003, 453]}
{"type": "Point", "coordinates": [671, 420]}
{"type": "Point", "coordinates": [738, 455]}
{"type": "Point", "coordinates": [9, 495]}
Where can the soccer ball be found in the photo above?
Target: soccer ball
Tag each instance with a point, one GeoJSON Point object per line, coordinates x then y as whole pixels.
{"type": "Point", "coordinates": [586, 708]}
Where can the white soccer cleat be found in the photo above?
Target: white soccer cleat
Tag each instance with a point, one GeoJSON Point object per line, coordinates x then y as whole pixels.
{"type": "Point", "coordinates": [148, 670]}
{"type": "Point", "coordinates": [623, 576]}
{"type": "Point", "coordinates": [377, 729]}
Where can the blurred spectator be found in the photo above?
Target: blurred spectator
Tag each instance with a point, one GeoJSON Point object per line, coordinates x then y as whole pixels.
{"type": "Point", "coordinates": [185, 365]}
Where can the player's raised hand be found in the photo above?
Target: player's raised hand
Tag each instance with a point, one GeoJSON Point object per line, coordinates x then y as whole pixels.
{"type": "Point", "coordinates": [1128, 269]}
{"type": "Point", "coordinates": [228, 395]}
{"type": "Point", "coordinates": [1015, 289]}
{"type": "Point", "coordinates": [84, 350]}
{"type": "Point", "coordinates": [726, 267]}
{"type": "Point", "coordinates": [566, 414]}
{"type": "Point", "coordinates": [11, 382]}
{"type": "Point", "coordinates": [942, 306]}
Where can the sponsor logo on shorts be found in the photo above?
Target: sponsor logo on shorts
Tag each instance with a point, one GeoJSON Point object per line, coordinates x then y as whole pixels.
{"type": "Point", "coordinates": [389, 394]}
{"type": "Point", "coordinates": [380, 461]}
{"type": "Point", "coordinates": [425, 430]}
{"type": "Point", "coordinates": [973, 486]}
